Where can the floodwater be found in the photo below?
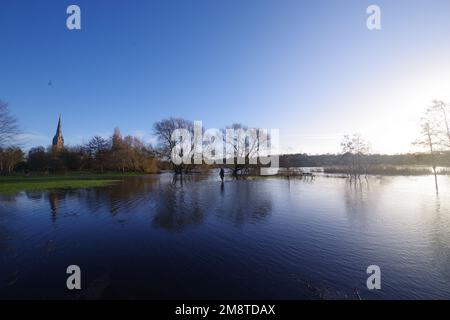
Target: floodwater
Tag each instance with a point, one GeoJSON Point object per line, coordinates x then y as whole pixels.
{"type": "Point", "coordinates": [270, 238]}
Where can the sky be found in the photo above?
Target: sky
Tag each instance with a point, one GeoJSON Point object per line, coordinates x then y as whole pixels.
{"type": "Point", "coordinates": [311, 69]}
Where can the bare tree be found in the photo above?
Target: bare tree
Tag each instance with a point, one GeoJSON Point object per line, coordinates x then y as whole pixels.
{"type": "Point", "coordinates": [245, 145]}
{"type": "Point", "coordinates": [9, 158]}
{"type": "Point", "coordinates": [439, 112]}
{"type": "Point", "coordinates": [8, 125]}
{"type": "Point", "coordinates": [163, 130]}
{"type": "Point", "coordinates": [430, 139]}
{"type": "Point", "coordinates": [355, 148]}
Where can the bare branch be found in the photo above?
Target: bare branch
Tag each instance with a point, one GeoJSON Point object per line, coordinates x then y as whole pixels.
{"type": "Point", "coordinates": [8, 125]}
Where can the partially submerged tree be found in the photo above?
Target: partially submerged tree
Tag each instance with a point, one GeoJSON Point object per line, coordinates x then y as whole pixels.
{"type": "Point", "coordinates": [430, 139]}
{"type": "Point", "coordinates": [435, 133]}
{"type": "Point", "coordinates": [243, 146]}
{"type": "Point", "coordinates": [164, 131]}
{"type": "Point", "coordinates": [354, 150]}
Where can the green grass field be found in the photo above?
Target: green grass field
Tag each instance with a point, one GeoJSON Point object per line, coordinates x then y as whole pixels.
{"type": "Point", "coordinates": [14, 184]}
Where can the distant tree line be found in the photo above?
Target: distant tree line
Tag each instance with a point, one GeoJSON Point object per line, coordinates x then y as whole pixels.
{"type": "Point", "coordinates": [356, 158]}
{"type": "Point", "coordinates": [115, 154]}
{"type": "Point", "coordinates": [328, 160]}
{"type": "Point", "coordinates": [130, 154]}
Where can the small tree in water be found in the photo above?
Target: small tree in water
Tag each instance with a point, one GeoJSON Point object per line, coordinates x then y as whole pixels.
{"type": "Point", "coordinates": [244, 146]}
{"type": "Point", "coordinates": [430, 139]}
{"type": "Point", "coordinates": [354, 150]}
{"type": "Point", "coordinates": [163, 131]}
{"type": "Point", "coordinates": [439, 115]}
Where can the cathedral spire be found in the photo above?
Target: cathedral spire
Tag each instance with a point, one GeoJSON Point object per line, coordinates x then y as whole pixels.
{"type": "Point", "coordinates": [58, 130]}
{"type": "Point", "coordinates": [58, 140]}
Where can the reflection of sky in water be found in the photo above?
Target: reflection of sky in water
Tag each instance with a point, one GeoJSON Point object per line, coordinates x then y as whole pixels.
{"type": "Point", "coordinates": [154, 237]}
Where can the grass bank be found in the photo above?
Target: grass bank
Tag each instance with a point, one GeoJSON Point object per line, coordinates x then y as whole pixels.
{"type": "Point", "coordinates": [14, 184]}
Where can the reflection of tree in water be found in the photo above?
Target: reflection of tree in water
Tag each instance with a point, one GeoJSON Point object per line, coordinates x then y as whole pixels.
{"type": "Point", "coordinates": [35, 195]}
{"type": "Point", "coordinates": [124, 196]}
{"type": "Point", "coordinates": [428, 224]}
{"type": "Point", "coordinates": [360, 198]}
{"type": "Point", "coordinates": [11, 198]}
{"type": "Point", "coordinates": [179, 205]}
{"type": "Point", "coordinates": [57, 198]}
{"type": "Point", "coordinates": [6, 215]}
{"type": "Point", "coordinates": [176, 205]}
{"type": "Point", "coordinates": [4, 238]}
{"type": "Point", "coordinates": [438, 225]}
{"type": "Point", "coordinates": [245, 202]}
{"type": "Point", "coordinates": [54, 198]}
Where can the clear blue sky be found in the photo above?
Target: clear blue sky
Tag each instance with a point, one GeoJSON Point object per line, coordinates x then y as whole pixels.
{"type": "Point", "coordinates": [309, 68]}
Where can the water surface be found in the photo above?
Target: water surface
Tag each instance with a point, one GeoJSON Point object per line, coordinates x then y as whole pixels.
{"type": "Point", "coordinates": [152, 237]}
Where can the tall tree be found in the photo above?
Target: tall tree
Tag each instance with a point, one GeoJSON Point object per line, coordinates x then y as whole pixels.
{"type": "Point", "coordinates": [118, 159]}
{"type": "Point", "coordinates": [354, 149]}
{"type": "Point", "coordinates": [38, 159]}
{"type": "Point", "coordinates": [440, 113]}
{"type": "Point", "coordinates": [8, 125]}
{"type": "Point", "coordinates": [98, 149]}
{"type": "Point", "coordinates": [9, 158]}
{"type": "Point", "coordinates": [430, 139]}
{"type": "Point", "coordinates": [163, 131]}
{"type": "Point", "coordinates": [245, 144]}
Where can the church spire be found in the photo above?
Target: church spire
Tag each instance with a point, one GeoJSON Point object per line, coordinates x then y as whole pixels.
{"type": "Point", "coordinates": [58, 140]}
{"type": "Point", "coordinates": [58, 130]}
